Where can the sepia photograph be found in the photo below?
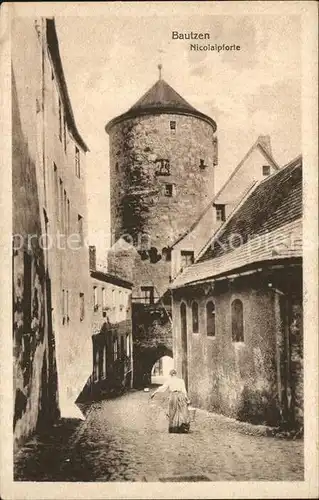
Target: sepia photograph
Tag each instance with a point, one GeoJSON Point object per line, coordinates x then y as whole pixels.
{"type": "Point", "coordinates": [160, 267]}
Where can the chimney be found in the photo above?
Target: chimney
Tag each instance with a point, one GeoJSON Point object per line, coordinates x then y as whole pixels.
{"type": "Point", "coordinates": [264, 140]}
{"type": "Point", "coordinates": [92, 257]}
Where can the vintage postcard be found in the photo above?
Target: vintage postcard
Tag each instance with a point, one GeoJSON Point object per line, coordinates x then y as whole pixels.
{"type": "Point", "coordinates": [159, 250]}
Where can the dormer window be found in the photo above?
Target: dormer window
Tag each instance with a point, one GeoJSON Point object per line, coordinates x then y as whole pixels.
{"type": "Point", "coordinates": [266, 170]}
{"type": "Point", "coordinates": [220, 212]}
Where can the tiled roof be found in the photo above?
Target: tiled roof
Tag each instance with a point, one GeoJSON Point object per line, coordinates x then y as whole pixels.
{"type": "Point", "coordinates": [161, 98]}
{"type": "Point", "coordinates": [260, 143]}
{"type": "Point", "coordinates": [53, 46]}
{"type": "Point", "coordinates": [275, 202]}
{"type": "Point", "coordinates": [267, 226]}
{"type": "Point", "coordinates": [106, 277]}
{"type": "Point", "coordinates": [162, 95]}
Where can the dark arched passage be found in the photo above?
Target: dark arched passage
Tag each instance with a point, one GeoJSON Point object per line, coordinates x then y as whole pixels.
{"type": "Point", "coordinates": [144, 360]}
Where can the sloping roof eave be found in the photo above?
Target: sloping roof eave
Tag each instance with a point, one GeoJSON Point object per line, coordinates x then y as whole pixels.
{"type": "Point", "coordinates": [53, 47]}
{"type": "Point", "coordinates": [158, 110]}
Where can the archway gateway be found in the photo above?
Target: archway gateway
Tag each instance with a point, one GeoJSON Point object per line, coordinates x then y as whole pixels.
{"type": "Point", "coordinates": [161, 369]}
{"type": "Point", "coordinates": [144, 360]}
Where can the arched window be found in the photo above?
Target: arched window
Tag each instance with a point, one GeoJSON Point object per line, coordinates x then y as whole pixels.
{"type": "Point", "coordinates": [237, 318]}
{"type": "Point", "coordinates": [210, 319]}
{"type": "Point", "coordinates": [195, 317]}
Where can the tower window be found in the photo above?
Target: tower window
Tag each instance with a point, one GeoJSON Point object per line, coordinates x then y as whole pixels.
{"type": "Point", "coordinates": [147, 294]}
{"type": "Point", "coordinates": [266, 170]}
{"type": "Point", "coordinates": [169, 190]}
{"type": "Point", "coordinates": [220, 213]}
{"type": "Point", "coordinates": [172, 125]}
{"type": "Point", "coordinates": [202, 163]}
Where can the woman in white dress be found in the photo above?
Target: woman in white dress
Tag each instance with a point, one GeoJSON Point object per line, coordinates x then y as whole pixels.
{"type": "Point", "coordinates": [178, 413]}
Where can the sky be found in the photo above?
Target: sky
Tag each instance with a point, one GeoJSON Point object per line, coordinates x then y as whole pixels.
{"type": "Point", "coordinates": [111, 61]}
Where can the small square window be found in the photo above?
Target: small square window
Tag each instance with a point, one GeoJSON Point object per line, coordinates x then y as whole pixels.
{"type": "Point", "coordinates": [172, 125]}
{"type": "Point", "coordinates": [187, 258]}
{"type": "Point", "coordinates": [266, 170]}
{"type": "Point", "coordinates": [169, 190]}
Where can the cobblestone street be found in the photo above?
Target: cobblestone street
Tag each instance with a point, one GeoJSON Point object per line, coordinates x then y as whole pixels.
{"type": "Point", "coordinates": [126, 439]}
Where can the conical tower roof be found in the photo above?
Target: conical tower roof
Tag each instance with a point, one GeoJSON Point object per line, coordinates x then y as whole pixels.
{"type": "Point", "coordinates": [161, 98]}
{"type": "Point", "coordinates": [162, 95]}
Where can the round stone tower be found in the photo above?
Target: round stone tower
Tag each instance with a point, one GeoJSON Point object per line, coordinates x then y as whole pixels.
{"type": "Point", "coordinates": [162, 158]}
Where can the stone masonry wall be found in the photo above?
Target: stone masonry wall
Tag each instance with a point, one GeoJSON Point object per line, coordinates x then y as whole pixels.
{"type": "Point", "coordinates": [138, 202]}
{"type": "Point", "coordinates": [34, 369]}
{"type": "Point", "coordinates": [237, 379]}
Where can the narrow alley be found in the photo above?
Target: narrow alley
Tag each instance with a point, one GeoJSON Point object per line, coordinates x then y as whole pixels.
{"type": "Point", "coordinates": [126, 439]}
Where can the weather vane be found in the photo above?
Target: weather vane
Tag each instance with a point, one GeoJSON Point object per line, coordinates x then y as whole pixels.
{"type": "Point", "coordinates": [160, 65]}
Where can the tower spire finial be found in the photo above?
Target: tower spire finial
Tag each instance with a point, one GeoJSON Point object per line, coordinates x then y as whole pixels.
{"type": "Point", "coordinates": [160, 66]}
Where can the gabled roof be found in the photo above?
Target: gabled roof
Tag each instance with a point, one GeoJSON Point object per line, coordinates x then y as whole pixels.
{"type": "Point", "coordinates": [271, 216]}
{"type": "Point", "coordinates": [260, 144]}
{"type": "Point", "coordinates": [211, 203]}
{"type": "Point", "coordinates": [53, 46]}
{"type": "Point", "coordinates": [161, 98]}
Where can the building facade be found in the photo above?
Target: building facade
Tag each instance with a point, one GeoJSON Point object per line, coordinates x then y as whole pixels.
{"type": "Point", "coordinates": [52, 344]}
{"type": "Point", "coordinates": [112, 345]}
{"type": "Point", "coordinates": [237, 312]}
{"type": "Point", "coordinates": [257, 164]}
